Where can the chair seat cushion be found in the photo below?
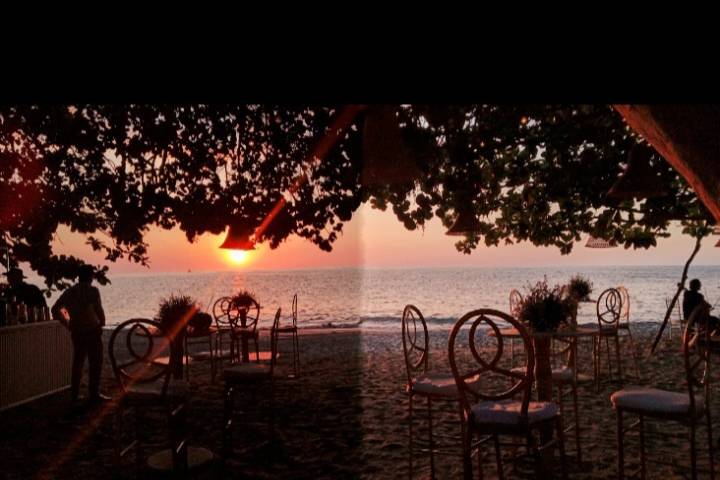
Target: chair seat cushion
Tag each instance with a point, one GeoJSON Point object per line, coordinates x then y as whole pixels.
{"type": "Point", "coordinates": [247, 371]}
{"type": "Point", "coordinates": [654, 400]}
{"type": "Point", "coordinates": [507, 412]}
{"type": "Point", "coordinates": [435, 384]}
{"type": "Point", "coordinates": [153, 390]}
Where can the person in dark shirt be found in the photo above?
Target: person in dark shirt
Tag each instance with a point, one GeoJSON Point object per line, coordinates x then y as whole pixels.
{"type": "Point", "coordinates": [692, 298]}
{"type": "Point", "coordinates": [80, 309]}
{"type": "Point", "coordinates": [23, 292]}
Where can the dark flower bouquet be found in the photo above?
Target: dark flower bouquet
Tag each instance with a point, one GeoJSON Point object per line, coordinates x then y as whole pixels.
{"type": "Point", "coordinates": [579, 288]}
{"type": "Point", "coordinates": [176, 309]}
{"type": "Point", "coordinates": [543, 308]}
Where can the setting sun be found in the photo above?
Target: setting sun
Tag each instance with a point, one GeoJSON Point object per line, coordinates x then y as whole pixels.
{"type": "Point", "coordinates": [237, 257]}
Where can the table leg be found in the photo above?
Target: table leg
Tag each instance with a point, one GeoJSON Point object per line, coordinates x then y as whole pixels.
{"type": "Point", "coordinates": [544, 384]}
{"type": "Point", "coordinates": [244, 347]}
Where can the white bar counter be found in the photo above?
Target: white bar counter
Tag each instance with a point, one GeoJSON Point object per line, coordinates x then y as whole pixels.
{"type": "Point", "coordinates": [35, 360]}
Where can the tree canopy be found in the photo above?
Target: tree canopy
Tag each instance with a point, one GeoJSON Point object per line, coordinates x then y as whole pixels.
{"type": "Point", "coordinates": [537, 173]}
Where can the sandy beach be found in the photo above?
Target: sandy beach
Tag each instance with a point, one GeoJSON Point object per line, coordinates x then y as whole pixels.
{"type": "Point", "coordinates": [345, 417]}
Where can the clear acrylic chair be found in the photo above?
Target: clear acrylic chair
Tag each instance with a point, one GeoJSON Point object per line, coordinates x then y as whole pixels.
{"type": "Point", "coordinates": [249, 376]}
{"type": "Point", "coordinates": [490, 409]}
{"type": "Point", "coordinates": [515, 300]}
{"type": "Point", "coordinates": [609, 309]}
{"type": "Point", "coordinates": [136, 349]}
{"type": "Point", "coordinates": [421, 382]}
{"type": "Point", "coordinates": [624, 329]}
{"type": "Point", "coordinates": [292, 330]}
{"type": "Point", "coordinates": [221, 315]}
{"type": "Point", "coordinates": [690, 407]}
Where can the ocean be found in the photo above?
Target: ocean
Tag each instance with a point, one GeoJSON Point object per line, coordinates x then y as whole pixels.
{"type": "Point", "coordinates": [374, 298]}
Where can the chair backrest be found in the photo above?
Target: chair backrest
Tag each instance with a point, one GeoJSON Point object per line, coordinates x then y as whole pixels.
{"type": "Point", "coordinates": [144, 343]}
{"type": "Point", "coordinates": [609, 308]}
{"type": "Point", "coordinates": [515, 300]}
{"type": "Point", "coordinates": [294, 310]}
{"type": "Point", "coordinates": [244, 316]}
{"type": "Point", "coordinates": [625, 310]}
{"type": "Point", "coordinates": [274, 335]}
{"type": "Point", "coordinates": [221, 312]}
{"type": "Point", "coordinates": [415, 342]}
{"type": "Point", "coordinates": [696, 351]}
{"type": "Point", "coordinates": [478, 378]}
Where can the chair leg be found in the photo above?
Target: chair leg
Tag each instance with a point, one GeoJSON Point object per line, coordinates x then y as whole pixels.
{"type": "Point", "coordinates": [577, 421]}
{"type": "Point", "coordinates": [643, 466]}
{"type": "Point", "coordinates": [297, 342]}
{"type": "Point", "coordinates": [533, 447]}
{"type": "Point", "coordinates": [633, 351]}
{"type": "Point", "coordinates": [296, 353]}
{"type": "Point", "coordinates": [710, 443]}
{"type": "Point", "coordinates": [498, 457]}
{"type": "Point", "coordinates": [512, 353]}
{"type": "Point", "coordinates": [620, 446]}
{"type": "Point", "coordinates": [410, 436]}
{"type": "Point", "coordinates": [693, 452]}
{"type": "Point", "coordinates": [560, 402]}
{"type": "Point", "coordinates": [618, 359]}
{"type": "Point", "coordinates": [430, 438]}
{"type": "Point", "coordinates": [213, 367]}
{"type": "Point", "coordinates": [596, 362]}
{"type": "Point", "coordinates": [561, 446]}
{"type": "Point", "coordinates": [609, 361]}
{"type": "Point", "coordinates": [467, 453]}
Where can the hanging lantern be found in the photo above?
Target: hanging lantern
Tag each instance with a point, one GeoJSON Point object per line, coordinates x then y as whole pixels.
{"type": "Point", "coordinates": [385, 160]}
{"type": "Point", "coordinates": [238, 239]}
{"type": "Point", "coordinates": [594, 242]}
{"type": "Point", "coordinates": [465, 224]}
{"type": "Point", "coordinates": [640, 179]}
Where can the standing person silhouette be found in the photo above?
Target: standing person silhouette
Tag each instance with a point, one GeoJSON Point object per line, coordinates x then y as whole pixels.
{"type": "Point", "coordinates": [692, 298]}
{"type": "Point", "coordinates": [80, 309]}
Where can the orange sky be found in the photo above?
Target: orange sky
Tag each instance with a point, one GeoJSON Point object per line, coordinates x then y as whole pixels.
{"type": "Point", "coordinates": [376, 239]}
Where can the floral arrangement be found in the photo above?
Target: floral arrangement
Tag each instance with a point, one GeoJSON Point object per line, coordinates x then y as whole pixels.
{"type": "Point", "coordinates": [243, 299]}
{"type": "Point", "coordinates": [543, 308]}
{"type": "Point", "coordinates": [175, 309]}
{"type": "Point", "coordinates": [579, 288]}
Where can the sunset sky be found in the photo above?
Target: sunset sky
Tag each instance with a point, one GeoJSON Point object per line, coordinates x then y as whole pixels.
{"type": "Point", "coordinates": [376, 239]}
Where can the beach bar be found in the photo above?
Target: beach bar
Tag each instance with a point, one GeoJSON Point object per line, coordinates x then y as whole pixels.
{"type": "Point", "coordinates": [35, 360]}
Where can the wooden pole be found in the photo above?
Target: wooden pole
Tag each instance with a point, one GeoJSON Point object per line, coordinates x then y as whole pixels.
{"type": "Point", "coordinates": [681, 287]}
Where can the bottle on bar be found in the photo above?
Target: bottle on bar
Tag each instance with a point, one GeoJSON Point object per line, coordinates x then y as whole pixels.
{"type": "Point", "coordinates": [46, 314]}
